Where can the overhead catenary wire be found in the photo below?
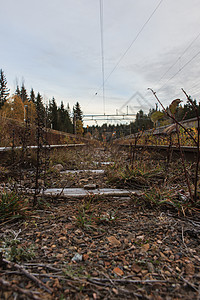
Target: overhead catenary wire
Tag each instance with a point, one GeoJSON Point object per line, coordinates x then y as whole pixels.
{"type": "Point", "coordinates": [178, 59]}
{"type": "Point", "coordinates": [102, 51]}
{"type": "Point", "coordinates": [126, 51]}
{"type": "Point", "coordinates": [180, 69]}
{"type": "Point", "coordinates": [133, 41]}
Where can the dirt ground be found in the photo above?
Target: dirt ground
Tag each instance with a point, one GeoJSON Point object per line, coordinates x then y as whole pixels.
{"type": "Point", "coordinates": [100, 248]}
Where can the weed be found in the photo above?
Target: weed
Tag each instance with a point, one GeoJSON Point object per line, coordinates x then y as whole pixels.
{"type": "Point", "coordinates": [171, 113]}
{"type": "Point", "coordinates": [86, 214]}
{"type": "Point", "coordinates": [138, 174]}
{"type": "Point", "coordinates": [15, 252]}
{"type": "Point", "coordinates": [12, 206]}
{"type": "Point", "coordinates": [108, 217]}
{"type": "Point", "coordinates": [164, 196]}
{"type": "Point", "coordinates": [83, 219]}
{"type": "Point", "coordinates": [73, 271]}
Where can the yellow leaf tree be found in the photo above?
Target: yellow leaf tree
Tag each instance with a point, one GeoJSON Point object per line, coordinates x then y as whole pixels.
{"type": "Point", "coordinates": [79, 127]}
{"type": "Point", "coordinates": [14, 108]}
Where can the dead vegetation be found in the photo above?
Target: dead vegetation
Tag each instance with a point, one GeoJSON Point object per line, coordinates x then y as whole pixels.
{"type": "Point", "coordinates": [145, 246]}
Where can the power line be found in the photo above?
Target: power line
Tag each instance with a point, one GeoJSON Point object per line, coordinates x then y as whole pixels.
{"type": "Point", "coordinates": [180, 69]}
{"type": "Point", "coordinates": [126, 51]}
{"type": "Point", "coordinates": [187, 48]}
{"type": "Point", "coordinates": [102, 51]}
{"type": "Point", "coordinates": [134, 40]}
{"type": "Point", "coordinates": [178, 59]}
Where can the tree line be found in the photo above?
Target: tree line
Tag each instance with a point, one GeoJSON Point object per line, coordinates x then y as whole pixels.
{"type": "Point", "coordinates": [144, 122]}
{"type": "Point", "coordinates": [23, 106]}
{"type": "Point", "coordinates": [20, 105]}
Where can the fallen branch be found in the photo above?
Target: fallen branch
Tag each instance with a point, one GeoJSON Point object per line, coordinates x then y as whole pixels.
{"type": "Point", "coordinates": [13, 287]}
{"type": "Point", "coordinates": [29, 275]}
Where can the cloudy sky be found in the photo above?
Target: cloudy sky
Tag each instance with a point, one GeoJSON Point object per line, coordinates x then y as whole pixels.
{"type": "Point", "coordinates": [55, 48]}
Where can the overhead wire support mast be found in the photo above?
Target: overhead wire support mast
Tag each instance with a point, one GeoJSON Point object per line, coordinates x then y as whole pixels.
{"type": "Point", "coordinates": [117, 117]}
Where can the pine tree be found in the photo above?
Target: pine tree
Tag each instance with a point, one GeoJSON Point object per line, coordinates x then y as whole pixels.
{"type": "Point", "coordinates": [4, 91]}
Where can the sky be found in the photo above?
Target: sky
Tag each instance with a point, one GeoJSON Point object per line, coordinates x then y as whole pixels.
{"type": "Point", "coordinates": [60, 49]}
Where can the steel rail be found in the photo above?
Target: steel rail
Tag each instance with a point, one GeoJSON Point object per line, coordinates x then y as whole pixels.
{"type": "Point", "coordinates": [5, 149]}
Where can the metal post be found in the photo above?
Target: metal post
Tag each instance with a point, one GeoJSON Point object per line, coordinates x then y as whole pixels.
{"type": "Point", "coordinates": [25, 112]}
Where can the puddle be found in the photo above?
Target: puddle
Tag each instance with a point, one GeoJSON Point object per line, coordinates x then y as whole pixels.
{"type": "Point", "coordinates": [79, 192]}
{"type": "Point", "coordinates": [82, 171]}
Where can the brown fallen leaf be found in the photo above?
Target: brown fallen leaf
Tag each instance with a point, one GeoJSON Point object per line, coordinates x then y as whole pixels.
{"type": "Point", "coordinates": [62, 238]}
{"type": "Point", "coordinates": [118, 271]}
{"type": "Point", "coordinates": [190, 269]}
{"type": "Point", "coordinates": [145, 247]}
{"type": "Point", "coordinates": [136, 268]}
{"type": "Point", "coordinates": [112, 240]}
{"type": "Point", "coordinates": [85, 256]}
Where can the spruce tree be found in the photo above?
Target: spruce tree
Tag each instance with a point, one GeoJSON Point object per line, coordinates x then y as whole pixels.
{"type": "Point", "coordinates": [64, 121]}
{"type": "Point", "coordinates": [77, 118]}
{"type": "Point", "coordinates": [77, 112]}
{"type": "Point", "coordinates": [17, 91]}
{"type": "Point", "coordinates": [40, 108]}
{"type": "Point", "coordinates": [4, 91]}
{"type": "Point", "coordinates": [23, 93]}
{"type": "Point", "coordinates": [53, 114]}
{"type": "Point", "coordinates": [32, 96]}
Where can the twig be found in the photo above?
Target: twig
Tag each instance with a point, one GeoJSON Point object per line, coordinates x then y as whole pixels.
{"type": "Point", "coordinates": [42, 265]}
{"type": "Point", "coordinates": [36, 274]}
{"type": "Point", "coordinates": [127, 281]}
{"type": "Point", "coordinates": [198, 149]}
{"type": "Point", "coordinates": [123, 291]}
{"type": "Point", "coordinates": [125, 250]}
{"type": "Point", "coordinates": [181, 277]}
{"type": "Point", "coordinates": [99, 283]}
{"type": "Point", "coordinates": [29, 275]}
{"type": "Point", "coordinates": [183, 239]}
{"type": "Point", "coordinates": [189, 283]}
{"type": "Point", "coordinates": [172, 117]}
{"type": "Point", "coordinates": [110, 280]}
{"type": "Point", "coordinates": [183, 162]}
{"type": "Point", "coordinates": [7, 285]}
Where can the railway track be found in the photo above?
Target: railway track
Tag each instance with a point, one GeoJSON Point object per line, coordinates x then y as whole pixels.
{"type": "Point", "coordinates": [189, 152]}
{"type": "Point", "coordinates": [7, 149]}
